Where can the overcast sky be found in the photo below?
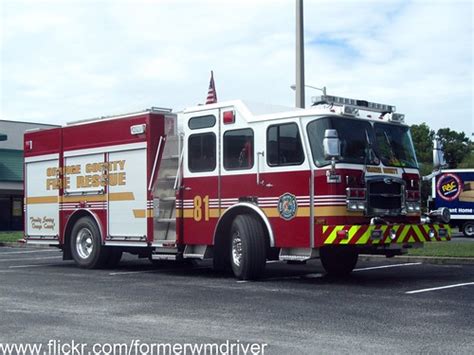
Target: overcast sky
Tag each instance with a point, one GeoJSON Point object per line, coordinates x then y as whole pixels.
{"type": "Point", "coordinates": [68, 60]}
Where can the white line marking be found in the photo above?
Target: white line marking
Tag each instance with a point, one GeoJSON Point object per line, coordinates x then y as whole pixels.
{"type": "Point", "coordinates": [27, 251]}
{"type": "Point", "coordinates": [313, 276]}
{"type": "Point", "coordinates": [153, 270]}
{"type": "Point", "coordinates": [242, 281]}
{"type": "Point", "coordinates": [46, 257]}
{"type": "Point", "coordinates": [26, 266]}
{"type": "Point", "coordinates": [386, 266]}
{"type": "Point", "coordinates": [281, 278]}
{"type": "Point", "coordinates": [439, 288]}
{"type": "Point", "coordinates": [130, 272]}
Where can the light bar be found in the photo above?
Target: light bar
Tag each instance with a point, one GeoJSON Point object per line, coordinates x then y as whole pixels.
{"type": "Point", "coordinates": [396, 117]}
{"type": "Point", "coordinates": [360, 104]}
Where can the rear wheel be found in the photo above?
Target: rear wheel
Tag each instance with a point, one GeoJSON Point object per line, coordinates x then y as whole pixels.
{"type": "Point", "coordinates": [468, 229]}
{"type": "Point", "coordinates": [86, 244]}
{"type": "Point", "coordinates": [338, 261]}
{"type": "Point", "coordinates": [248, 248]}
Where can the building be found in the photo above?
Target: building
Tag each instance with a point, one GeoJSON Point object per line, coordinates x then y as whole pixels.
{"type": "Point", "coordinates": [11, 172]}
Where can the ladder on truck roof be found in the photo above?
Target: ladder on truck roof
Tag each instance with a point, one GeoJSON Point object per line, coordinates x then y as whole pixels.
{"type": "Point", "coordinates": [164, 200]}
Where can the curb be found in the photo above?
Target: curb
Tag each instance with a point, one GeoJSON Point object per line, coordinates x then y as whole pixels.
{"type": "Point", "coordinates": [11, 244]}
{"type": "Point", "coordinates": [437, 260]}
{"type": "Point", "coordinates": [22, 245]}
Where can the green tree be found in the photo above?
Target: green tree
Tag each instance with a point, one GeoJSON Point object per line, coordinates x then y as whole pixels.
{"type": "Point", "coordinates": [456, 146]}
{"type": "Point", "coordinates": [468, 162]}
{"type": "Point", "coordinates": [423, 141]}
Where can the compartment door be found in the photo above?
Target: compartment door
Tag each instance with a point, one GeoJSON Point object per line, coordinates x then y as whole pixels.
{"type": "Point", "coordinates": [42, 198]}
{"type": "Point", "coordinates": [127, 194]}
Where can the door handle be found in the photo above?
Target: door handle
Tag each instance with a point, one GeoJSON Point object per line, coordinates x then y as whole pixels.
{"type": "Point", "coordinates": [187, 188]}
{"type": "Point", "coordinates": [259, 182]}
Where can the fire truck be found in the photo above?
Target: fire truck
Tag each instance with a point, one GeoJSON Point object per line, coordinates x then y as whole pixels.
{"type": "Point", "coordinates": [234, 182]}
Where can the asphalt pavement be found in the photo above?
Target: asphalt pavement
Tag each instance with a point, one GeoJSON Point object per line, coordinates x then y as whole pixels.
{"type": "Point", "coordinates": [384, 306]}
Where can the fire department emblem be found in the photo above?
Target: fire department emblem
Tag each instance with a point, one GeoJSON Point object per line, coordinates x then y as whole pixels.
{"type": "Point", "coordinates": [287, 206]}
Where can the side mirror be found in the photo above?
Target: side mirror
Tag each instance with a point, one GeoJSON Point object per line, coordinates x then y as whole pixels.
{"type": "Point", "coordinates": [438, 155]}
{"type": "Point", "coordinates": [331, 145]}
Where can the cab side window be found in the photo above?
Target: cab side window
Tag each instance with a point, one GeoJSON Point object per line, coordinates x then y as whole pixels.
{"type": "Point", "coordinates": [202, 152]}
{"type": "Point", "coordinates": [238, 149]}
{"type": "Point", "coordinates": [284, 145]}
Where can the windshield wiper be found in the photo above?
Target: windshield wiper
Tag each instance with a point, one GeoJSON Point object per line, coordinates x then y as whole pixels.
{"type": "Point", "coordinates": [368, 151]}
{"type": "Point", "coordinates": [392, 152]}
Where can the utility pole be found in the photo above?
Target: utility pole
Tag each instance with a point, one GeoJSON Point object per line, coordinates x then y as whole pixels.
{"type": "Point", "coordinates": [299, 55]}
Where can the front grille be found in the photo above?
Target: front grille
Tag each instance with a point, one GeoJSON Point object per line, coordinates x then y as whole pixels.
{"type": "Point", "coordinates": [385, 196]}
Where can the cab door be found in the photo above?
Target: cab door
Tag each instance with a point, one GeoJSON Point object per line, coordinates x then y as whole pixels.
{"type": "Point", "coordinates": [201, 171]}
{"type": "Point", "coordinates": [285, 183]}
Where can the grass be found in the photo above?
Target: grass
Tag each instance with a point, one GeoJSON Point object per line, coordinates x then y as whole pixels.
{"type": "Point", "coordinates": [453, 248]}
{"type": "Point", "coordinates": [10, 236]}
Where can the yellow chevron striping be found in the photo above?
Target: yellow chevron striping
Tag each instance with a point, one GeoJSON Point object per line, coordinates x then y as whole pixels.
{"type": "Point", "coordinates": [364, 239]}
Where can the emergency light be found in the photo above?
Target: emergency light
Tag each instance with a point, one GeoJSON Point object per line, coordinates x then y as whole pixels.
{"type": "Point", "coordinates": [396, 117]}
{"type": "Point", "coordinates": [228, 117]}
{"type": "Point", "coordinates": [357, 104]}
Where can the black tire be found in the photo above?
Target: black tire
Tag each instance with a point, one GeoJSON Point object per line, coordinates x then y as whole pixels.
{"type": "Point", "coordinates": [86, 245]}
{"type": "Point", "coordinates": [247, 248]}
{"type": "Point", "coordinates": [338, 261]}
{"type": "Point", "coordinates": [115, 255]}
{"type": "Point", "coordinates": [468, 229]}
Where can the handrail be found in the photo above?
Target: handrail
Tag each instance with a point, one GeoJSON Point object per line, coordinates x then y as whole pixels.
{"type": "Point", "coordinates": [258, 168]}
{"type": "Point", "coordinates": [177, 180]}
{"type": "Point", "coordinates": [154, 164]}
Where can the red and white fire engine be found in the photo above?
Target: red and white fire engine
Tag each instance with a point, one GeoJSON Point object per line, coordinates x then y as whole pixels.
{"type": "Point", "coordinates": [238, 183]}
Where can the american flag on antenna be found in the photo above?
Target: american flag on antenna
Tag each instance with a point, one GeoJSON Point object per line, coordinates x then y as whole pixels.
{"type": "Point", "coordinates": [211, 93]}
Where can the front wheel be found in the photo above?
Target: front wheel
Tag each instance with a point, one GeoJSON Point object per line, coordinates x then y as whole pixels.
{"type": "Point", "coordinates": [248, 248]}
{"type": "Point", "coordinates": [86, 244]}
{"type": "Point", "coordinates": [338, 261]}
{"type": "Point", "coordinates": [468, 229]}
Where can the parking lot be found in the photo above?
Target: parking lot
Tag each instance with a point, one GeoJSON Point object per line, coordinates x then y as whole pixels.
{"type": "Point", "coordinates": [385, 305]}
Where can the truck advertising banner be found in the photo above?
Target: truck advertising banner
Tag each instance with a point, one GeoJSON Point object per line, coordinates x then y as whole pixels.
{"type": "Point", "coordinates": [454, 189]}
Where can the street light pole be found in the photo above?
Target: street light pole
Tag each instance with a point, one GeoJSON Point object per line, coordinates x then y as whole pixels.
{"type": "Point", "coordinates": [323, 89]}
{"type": "Point", "coordinates": [299, 55]}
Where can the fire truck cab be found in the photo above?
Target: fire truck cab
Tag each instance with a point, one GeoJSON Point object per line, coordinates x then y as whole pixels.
{"type": "Point", "coordinates": [236, 182]}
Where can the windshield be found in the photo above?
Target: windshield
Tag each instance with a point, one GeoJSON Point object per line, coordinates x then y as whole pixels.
{"type": "Point", "coordinates": [356, 138]}
{"type": "Point", "coordinates": [394, 145]}
{"type": "Point", "coordinates": [363, 144]}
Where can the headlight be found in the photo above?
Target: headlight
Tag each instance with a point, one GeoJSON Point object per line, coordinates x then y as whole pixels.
{"type": "Point", "coordinates": [413, 207]}
{"type": "Point", "coordinates": [356, 205]}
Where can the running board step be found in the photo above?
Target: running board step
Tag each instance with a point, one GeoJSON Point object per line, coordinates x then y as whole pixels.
{"type": "Point", "coordinates": [164, 256]}
{"type": "Point", "coordinates": [164, 244]}
{"type": "Point", "coordinates": [166, 220]}
{"type": "Point", "coordinates": [197, 252]}
{"type": "Point", "coordinates": [167, 198]}
{"type": "Point", "coordinates": [298, 254]}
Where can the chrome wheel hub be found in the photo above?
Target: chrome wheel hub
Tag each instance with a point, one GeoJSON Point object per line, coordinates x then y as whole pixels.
{"type": "Point", "coordinates": [84, 243]}
{"type": "Point", "coordinates": [470, 230]}
{"type": "Point", "coordinates": [236, 249]}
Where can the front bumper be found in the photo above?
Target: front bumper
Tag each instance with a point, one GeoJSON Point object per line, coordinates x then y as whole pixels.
{"type": "Point", "coordinates": [384, 234]}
